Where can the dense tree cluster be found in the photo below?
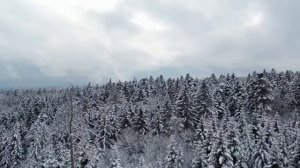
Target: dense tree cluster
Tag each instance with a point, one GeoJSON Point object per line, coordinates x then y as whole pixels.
{"type": "Point", "coordinates": [215, 122]}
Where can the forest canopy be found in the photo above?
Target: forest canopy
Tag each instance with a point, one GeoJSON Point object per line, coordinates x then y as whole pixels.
{"type": "Point", "coordinates": [216, 122]}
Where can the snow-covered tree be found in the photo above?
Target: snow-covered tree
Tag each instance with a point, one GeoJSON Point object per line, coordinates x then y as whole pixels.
{"type": "Point", "coordinates": [218, 108]}
{"type": "Point", "coordinates": [115, 161]}
{"type": "Point", "coordinates": [140, 122]}
{"type": "Point", "coordinates": [295, 93]}
{"type": "Point", "coordinates": [261, 157]}
{"type": "Point", "coordinates": [142, 163]}
{"type": "Point", "coordinates": [202, 101]}
{"type": "Point", "coordinates": [157, 124]}
{"type": "Point", "coordinates": [17, 146]}
{"type": "Point", "coordinates": [173, 158]}
{"type": "Point", "coordinates": [185, 110]}
{"type": "Point", "coordinates": [259, 93]}
{"type": "Point", "coordinates": [220, 156]}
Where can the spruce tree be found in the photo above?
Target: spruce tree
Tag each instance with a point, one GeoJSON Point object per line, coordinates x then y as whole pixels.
{"type": "Point", "coordinates": [124, 118]}
{"type": "Point", "coordinates": [218, 108]}
{"type": "Point", "coordinates": [220, 156]}
{"type": "Point", "coordinates": [261, 157]}
{"type": "Point", "coordinates": [202, 101]}
{"type": "Point", "coordinates": [115, 161]}
{"type": "Point", "coordinates": [166, 115]}
{"type": "Point", "coordinates": [184, 109]}
{"type": "Point", "coordinates": [157, 124]}
{"type": "Point", "coordinates": [106, 134]}
{"type": "Point", "coordinates": [295, 93]}
{"type": "Point", "coordinates": [17, 146]}
{"type": "Point", "coordinates": [236, 99]}
{"type": "Point", "coordinates": [259, 93]}
{"type": "Point", "coordinates": [140, 122]}
{"type": "Point", "coordinates": [201, 146]}
{"type": "Point", "coordinates": [141, 163]}
{"type": "Point", "coordinates": [173, 157]}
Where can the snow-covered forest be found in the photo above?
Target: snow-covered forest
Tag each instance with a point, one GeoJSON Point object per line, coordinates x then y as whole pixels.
{"type": "Point", "coordinates": [216, 122]}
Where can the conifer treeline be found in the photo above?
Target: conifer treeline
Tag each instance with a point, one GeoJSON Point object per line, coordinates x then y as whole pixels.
{"type": "Point", "coordinates": [215, 122]}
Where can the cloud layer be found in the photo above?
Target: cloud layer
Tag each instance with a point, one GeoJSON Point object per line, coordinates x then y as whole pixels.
{"type": "Point", "coordinates": [58, 42]}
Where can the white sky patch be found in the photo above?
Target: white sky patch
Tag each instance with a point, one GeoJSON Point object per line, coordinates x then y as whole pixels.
{"type": "Point", "coordinates": [148, 22]}
{"type": "Point", "coordinates": [254, 20]}
{"type": "Point", "coordinates": [72, 9]}
{"type": "Point", "coordinates": [155, 45]}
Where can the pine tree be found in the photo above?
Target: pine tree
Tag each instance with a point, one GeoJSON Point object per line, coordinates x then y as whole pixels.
{"type": "Point", "coordinates": [259, 93]}
{"type": "Point", "coordinates": [295, 93]}
{"type": "Point", "coordinates": [173, 157]}
{"type": "Point", "coordinates": [55, 157]}
{"type": "Point", "coordinates": [166, 115]}
{"type": "Point", "coordinates": [213, 79]}
{"type": "Point", "coordinates": [201, 146]}
{"type": "Point", "coordinates": [17, 146]}
{"type": "Point", "coordinates": [157, 124]}
{"type": "Point", "coordinates": [218, 108]}
{"type": "Point", "coordinates": [106, 134]}
{"type": "Point", "coordinates": [81, 159]}
{"type": "Point", "coordinates": [236, 99]}
{"type": "Point", "coordinates": [202, 101]}
{"type": "Point", "coordinates": [220, 156]}
{"type": "Point", "coordinates": [201, 130]}
{"type": "Point", "coordinates": [244, 135]}
{"type": "Point", "coordinates": [124, 119]}
{"type": "Point", "coordinates": [200, 161]}
{"type": "Point", "coordinates": [5, 153]}
{"type": "Point", "coordinates": [27, 109]}
{"type": "Point", "coordinates": [281, 152]}
{"type": "Point", "coordinates": [281, 95]}
{"type": "Point", "coordinates": [234, 144]}
{"type": "Point", "coordinates": [185, 111]}
{"type": "Point", "coordinates": [38, 140]}
{"type": "Point", "coordinates": [140, 123]}
{"type": "Point", "coordinates": [172, 89]}
{"type": "Point", "coordinates": [126, 92]}
{"type": "Point", "coordinates": [115, 161]}
{"type": "Point", "coordinates": [294, 144]}
{"type": "Point", "coordinates": [261, 157]}
{"type": "Point", "coordinates": [142, 163]}
{"type": "Point", "coordinates": [139, 95]}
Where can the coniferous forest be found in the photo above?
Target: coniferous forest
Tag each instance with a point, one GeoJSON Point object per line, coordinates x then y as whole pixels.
{"type": "Point", "coordinates": [223, 121]}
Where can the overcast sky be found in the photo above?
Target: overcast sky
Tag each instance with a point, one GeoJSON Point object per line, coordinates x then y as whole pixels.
{"type": "Point", "coordinates": [58, 42]}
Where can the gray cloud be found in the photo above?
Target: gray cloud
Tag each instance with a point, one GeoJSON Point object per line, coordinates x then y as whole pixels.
{"type": "Point", "coordinates": [54, 43]}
